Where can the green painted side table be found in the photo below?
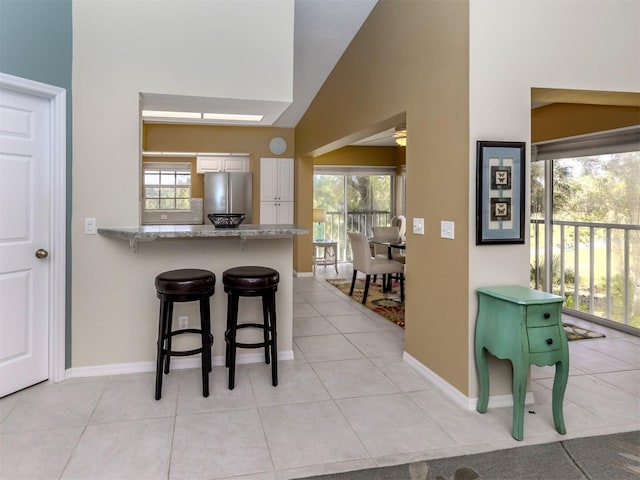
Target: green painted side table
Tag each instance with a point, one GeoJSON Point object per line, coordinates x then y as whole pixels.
{"type": "Point", "coordinates": [525, 327]}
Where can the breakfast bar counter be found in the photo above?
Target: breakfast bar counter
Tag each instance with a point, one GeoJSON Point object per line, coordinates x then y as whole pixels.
{"type": "Point", "coordinates": [152, 249]}
{"type": "Point", "coordinates": [154, 232]}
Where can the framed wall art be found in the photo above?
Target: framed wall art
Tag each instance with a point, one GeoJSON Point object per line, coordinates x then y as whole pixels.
{"type": "Point", "coordinates": [500, 188]}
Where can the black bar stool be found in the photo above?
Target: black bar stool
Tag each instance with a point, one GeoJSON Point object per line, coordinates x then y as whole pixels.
{"type": "Point", "coordinates": [251, 281]}
{"type": "Point", "coordinates": [184, 285]}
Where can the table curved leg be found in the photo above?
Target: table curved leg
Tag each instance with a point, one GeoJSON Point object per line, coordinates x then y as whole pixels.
{"type": "Point", "coordinates": [520, 375]}
{"type": "Point", "coordinates": [483, 376]}
{"type": "Point", "coordinates": [559, 387]}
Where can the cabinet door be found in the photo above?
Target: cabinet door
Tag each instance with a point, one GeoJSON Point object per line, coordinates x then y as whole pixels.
{"type": "Point", "coordinates": [285, 212]}
{"type": "Point", "coordinates": [268, 179]}
{"type": "Point", "coordinates": [285, 180]}
{"type": "Point", "coordinates": [236, 164]}
{"type": "Point", "coordinates": [268, 212]}
{"type": "Point", "coordinates": [209, 164]}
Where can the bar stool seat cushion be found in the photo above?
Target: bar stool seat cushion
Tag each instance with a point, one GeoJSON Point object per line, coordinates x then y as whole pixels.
{"type": "Point", "coordinates": [186, 281]}
{"type": "Point", "coordinates": [250, 278]}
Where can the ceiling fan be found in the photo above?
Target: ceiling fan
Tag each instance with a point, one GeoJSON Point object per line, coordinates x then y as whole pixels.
{"type": "Point", "coordinates": [400, 136]}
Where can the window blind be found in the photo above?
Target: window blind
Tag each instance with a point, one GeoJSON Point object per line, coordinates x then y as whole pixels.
{"type": "Point", "coordinates": [352, 170]}
{"type": "Point", "coordinates": [167, 166]}
{"type": "Point", "coordinates": [613, 141]}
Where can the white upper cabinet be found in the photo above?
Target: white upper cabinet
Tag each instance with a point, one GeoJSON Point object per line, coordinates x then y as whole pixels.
{"type": "Point", "coordinates": [222, 163]}
{"type": "Point", "coordinates": [276, 179]}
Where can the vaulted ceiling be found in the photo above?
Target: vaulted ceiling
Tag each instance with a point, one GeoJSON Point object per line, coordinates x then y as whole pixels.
{"type": "Point", "coordinates": [323, 30]}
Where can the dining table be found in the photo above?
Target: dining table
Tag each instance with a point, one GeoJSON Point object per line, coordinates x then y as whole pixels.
{"type": "Point", "coordinates": [390, 246]}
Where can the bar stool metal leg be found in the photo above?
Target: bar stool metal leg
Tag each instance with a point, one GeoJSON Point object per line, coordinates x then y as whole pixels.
{"type": "Point", "coordinates": [161, 346]}
{"type": "Point", "coordinates": [231, 340]}
{"type": "Point", "coordinates": [205, 326]}
{"type": "Point", "coordinates": [274, 338]}
{"type": "Point", "coordinates": [167, 332]}
{"type": "Point", "coordinates": [230, 310]}
{"type": "Point", "coordinates": [266, 308]}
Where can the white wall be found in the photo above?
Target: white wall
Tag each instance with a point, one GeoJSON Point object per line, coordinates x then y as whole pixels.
{"type": "Point", "coordinates": [519, 44]}
{"type": "Point", "coordinates": [216, 48]}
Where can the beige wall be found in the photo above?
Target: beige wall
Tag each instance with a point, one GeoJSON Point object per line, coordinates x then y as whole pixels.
{"type": "Point", "coordinates": [567, 120]}
{"type": "Point", "coordinates": [360, 156]}
{"type": "Point", "coordinates": [418, 73]}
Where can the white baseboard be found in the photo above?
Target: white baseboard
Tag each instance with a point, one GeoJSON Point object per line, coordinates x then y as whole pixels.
{"type": "Point", "coordinates": [455, 394]}
{"type": "Point", "coordinates": [302, 274]}
{"type": "Point", "coordinates": [176, 363]}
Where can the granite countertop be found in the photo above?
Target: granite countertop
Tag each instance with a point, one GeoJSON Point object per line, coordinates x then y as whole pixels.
{"type": "Point", "coordinates": [152, 232]}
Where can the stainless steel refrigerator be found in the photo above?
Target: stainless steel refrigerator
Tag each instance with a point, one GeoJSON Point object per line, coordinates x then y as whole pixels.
{"type": "Point", "coordinates": [228, 193]}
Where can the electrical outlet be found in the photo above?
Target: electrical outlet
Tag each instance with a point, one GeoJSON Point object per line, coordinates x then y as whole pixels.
{"type": "Point", "coordinates": [183, 321]}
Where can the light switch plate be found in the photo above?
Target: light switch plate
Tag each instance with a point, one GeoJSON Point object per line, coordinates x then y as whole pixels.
{"type": "Point", "coordinates": [446, 229]}
{"type": "Point", "coordinates": [90, 226]}
{"type": "Point", "coordinates": [418, 226]}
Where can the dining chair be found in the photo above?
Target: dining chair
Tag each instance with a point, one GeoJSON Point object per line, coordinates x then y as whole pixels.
{"type": "Point", "coordinates": [363, 262]}
{"type": "Point", "coordinates": [387, 234]}
{"type": "Point", "coordinates": [400, 221]}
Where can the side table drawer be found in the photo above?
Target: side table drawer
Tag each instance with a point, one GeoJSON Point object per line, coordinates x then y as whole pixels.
{"type": "Point", "coordinates": [543, 315]}
{"type": "Point", "coordinates": [544, 339]}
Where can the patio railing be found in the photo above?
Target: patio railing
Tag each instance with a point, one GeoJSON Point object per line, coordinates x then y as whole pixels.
{"type": "Point", "coordinates": [338, 224]}
{"type": "Point", "coordinates": [594, 266]}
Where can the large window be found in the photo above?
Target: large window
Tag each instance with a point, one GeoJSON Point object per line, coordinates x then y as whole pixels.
{"type": "Point", "coordinates": [585, 212]}
{"type": "Point", "coordinates": [354, 200]}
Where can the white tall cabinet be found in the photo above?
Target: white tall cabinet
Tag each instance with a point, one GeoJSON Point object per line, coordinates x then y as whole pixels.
{"type": "Point", "coordinates": [276, 190]}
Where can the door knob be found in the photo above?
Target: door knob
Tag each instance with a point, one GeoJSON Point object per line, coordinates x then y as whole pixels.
{"type": "Point", "coordinates": [42, 253]}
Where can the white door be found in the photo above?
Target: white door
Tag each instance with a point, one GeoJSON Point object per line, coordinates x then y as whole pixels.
{"type": "Point", "coordinates": [268, 179]}
{"type": "Point", "coordinates": [285, 212]}
{"type": "Point", "coordinates": [285, 180]}
{"type": "Point", "coordinates": [25, 214]}
{"type": "Point", "coordinates": [268, 213]}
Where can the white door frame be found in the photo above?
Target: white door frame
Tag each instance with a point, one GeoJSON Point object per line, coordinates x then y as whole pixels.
{"type": "Point", "coordinates": [58, 155]}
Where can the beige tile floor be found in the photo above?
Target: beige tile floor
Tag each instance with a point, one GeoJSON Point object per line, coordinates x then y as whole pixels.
{"type": "Point", "coordinates": [347, 401]}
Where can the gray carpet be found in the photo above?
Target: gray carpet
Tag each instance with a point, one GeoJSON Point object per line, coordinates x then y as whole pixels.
{"type": "Point", "coordinates": [606, 457]}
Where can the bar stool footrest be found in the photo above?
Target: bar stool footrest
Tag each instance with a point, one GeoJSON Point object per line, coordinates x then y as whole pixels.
{"type": "Point", "coordinates": [186, 353]}
{"type": "Point", "coordinates": [248, 345]}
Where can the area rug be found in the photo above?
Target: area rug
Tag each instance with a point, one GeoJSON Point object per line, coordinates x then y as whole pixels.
{"type": "Point", "coordinates": [578, 333]}
{"type": "Point", "coordinates": [605, 457]}
{"type": "Point", "coordinates": [389, 306]}
{"type": "Point", "coordinates": [386, 304]}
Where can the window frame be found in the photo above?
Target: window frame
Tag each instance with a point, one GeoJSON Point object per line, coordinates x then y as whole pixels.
{"type": "Point", "coordinates": [176, 168]}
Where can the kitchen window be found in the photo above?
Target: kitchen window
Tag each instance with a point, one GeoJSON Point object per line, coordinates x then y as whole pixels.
{"type": "Point", "coordinates": [167, 186]}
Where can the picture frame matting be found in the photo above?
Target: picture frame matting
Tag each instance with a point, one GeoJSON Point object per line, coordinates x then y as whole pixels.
{"type": "Point", "coordinates": [500, 191]}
